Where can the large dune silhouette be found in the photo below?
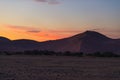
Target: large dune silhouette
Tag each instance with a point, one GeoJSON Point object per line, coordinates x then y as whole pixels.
{"type": "Point", "coordinates": [88, 42]}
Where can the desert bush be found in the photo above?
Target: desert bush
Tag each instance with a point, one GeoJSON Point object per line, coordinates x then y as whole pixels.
{"type": "Point", "coordinates": [104, 54]}
{"type": "Point", "coordinates": [67, 53]}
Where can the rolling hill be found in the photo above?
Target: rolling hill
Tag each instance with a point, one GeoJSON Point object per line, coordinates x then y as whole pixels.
{"type": "Point", "coordinates": [88, 42]}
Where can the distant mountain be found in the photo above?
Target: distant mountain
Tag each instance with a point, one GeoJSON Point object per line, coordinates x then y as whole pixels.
{"type": "Point", "coordinates": [88, 42]}
{"type": "Point", "coordinates": [4, 43]}
{"type": "Point", "coordinates": [3, 40]}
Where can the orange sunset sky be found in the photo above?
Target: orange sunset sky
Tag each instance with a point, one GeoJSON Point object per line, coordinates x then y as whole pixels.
{"type": "Point", "coordinates": [43, 20]}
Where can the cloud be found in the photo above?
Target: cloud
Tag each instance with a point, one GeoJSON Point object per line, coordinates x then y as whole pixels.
{"type": "Point", "coordinates": [42, 0]}
{"type": "Point", "coordinates": [49, 1]}
{"type": "Point", "coordinates": [19, 27]}
{"type": "Point", "coordinates": [66, 31]}
{"type": "Point", "coordinates": [34, 31]}
{"type": "Point", "coordinates": [24, 28]}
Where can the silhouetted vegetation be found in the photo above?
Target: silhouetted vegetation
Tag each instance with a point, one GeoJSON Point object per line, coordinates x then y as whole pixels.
{"type": "Point", "coordinates": [104, 54]}
{"type": "Point", "coordinates": [67, 53]}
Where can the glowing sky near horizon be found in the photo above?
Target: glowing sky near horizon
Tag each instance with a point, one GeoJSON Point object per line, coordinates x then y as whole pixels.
{"type": "Point", "coordinates": [53, 19]}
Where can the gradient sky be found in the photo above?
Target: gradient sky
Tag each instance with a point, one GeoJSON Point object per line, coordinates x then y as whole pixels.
{"type": "Point", "coordinates": [53, 19]}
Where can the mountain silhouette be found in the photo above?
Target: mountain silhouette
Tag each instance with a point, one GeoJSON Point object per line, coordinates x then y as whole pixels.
{"type": "Point", "coordinates": [87, 42]}
{"type": "Point", "coordinates": [3, 39]}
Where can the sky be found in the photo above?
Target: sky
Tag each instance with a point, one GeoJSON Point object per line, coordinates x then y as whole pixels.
{"type": "Point", "coordinates": [43, 20]}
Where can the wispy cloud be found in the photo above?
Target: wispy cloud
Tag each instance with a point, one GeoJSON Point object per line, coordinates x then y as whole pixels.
{"type": "Point", "coordinates": [34, 31]}
{"type": "Point", "coordinates": [49, 1]}
{"type": "Point", "coordinates": [24, 28]}
{"type": "Point", "coordinates": [66, 31]}
{"type": "Point", "coordinates": [41, 0]}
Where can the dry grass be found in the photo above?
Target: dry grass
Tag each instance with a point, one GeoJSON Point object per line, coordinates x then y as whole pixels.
{"type": "Point", "coordinates": [58, 68]}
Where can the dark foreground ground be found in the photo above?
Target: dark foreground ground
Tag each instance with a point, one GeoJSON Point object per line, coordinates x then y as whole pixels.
{"type": "Point", "coordinates": [58, 68]}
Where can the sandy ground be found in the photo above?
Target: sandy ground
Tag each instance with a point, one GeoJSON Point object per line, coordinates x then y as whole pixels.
{"type": "Point", "coordinates": [58, 68]}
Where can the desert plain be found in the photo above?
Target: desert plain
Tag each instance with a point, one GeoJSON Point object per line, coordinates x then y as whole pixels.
{"type": "Point", "coordinates": [58, 68]}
